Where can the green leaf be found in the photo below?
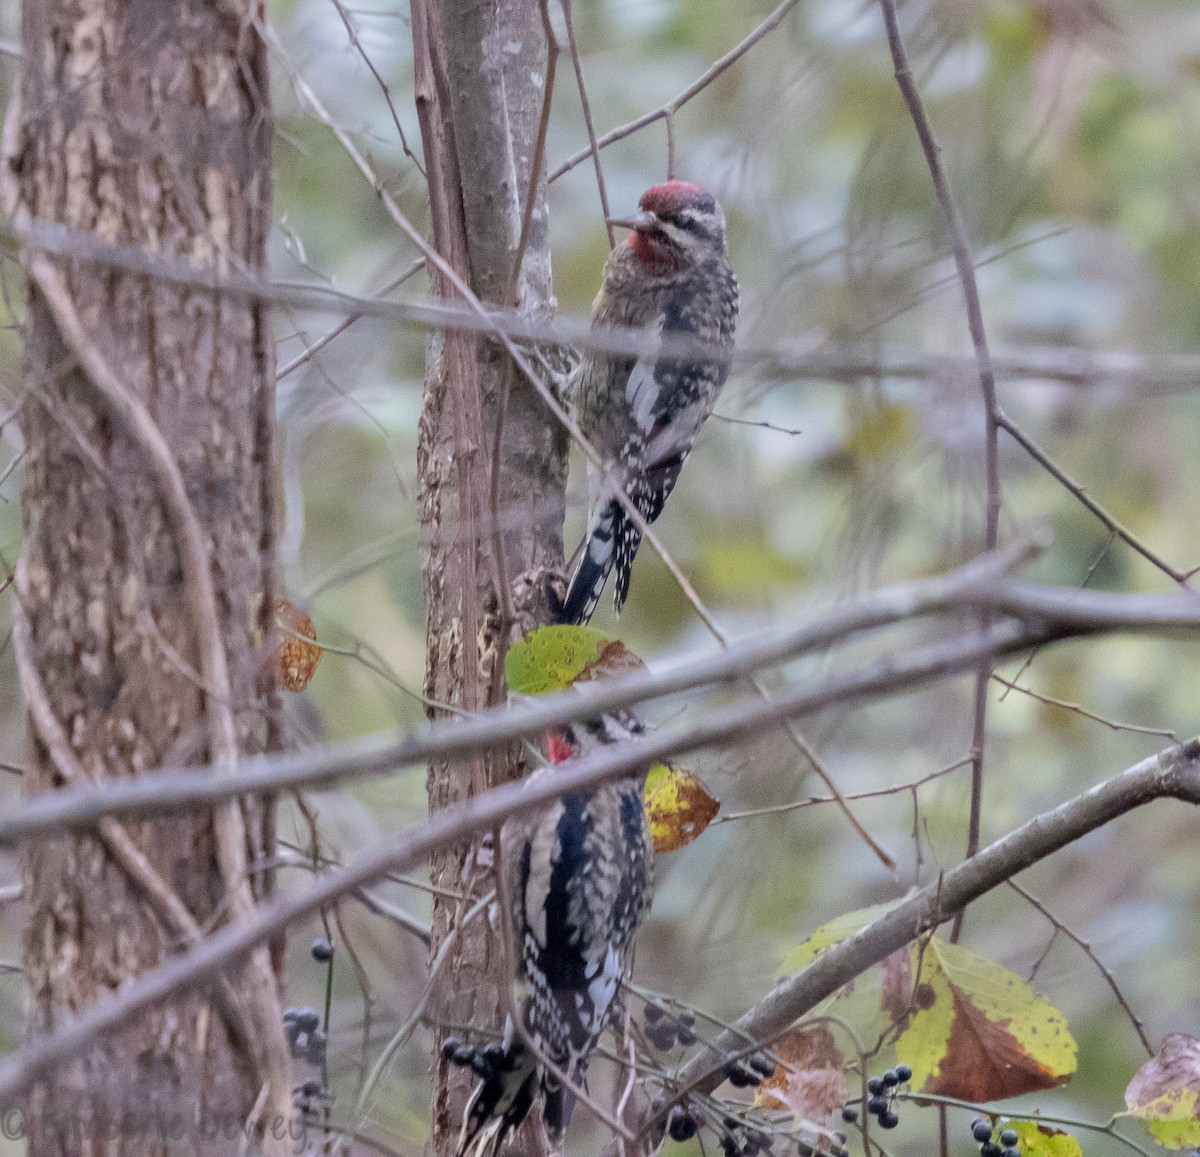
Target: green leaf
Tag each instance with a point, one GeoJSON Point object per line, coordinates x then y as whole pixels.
{"type": "Point", "coordinates": [979, 1032]}
{"type": "Point", "coordinates": [555, 658]}
{"type": "Point", "coordinates": [834, 932]}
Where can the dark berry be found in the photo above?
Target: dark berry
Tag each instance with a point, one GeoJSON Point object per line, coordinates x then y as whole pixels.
{"type": "Point", "coordinates": [903, 1073]}
{"type": "Point", "coordinates": [762, 1064]}
{"type": "Point", "coordinates": [322, 951]}
{"type": "Point", "coordinates": [805, 1149]}
{"type": "Point", "coordinates": [686, 1037]}
{"type": "Point", "coordinates": [877, 1105]}
{"type": "Point", "coordinates": [688, 1018]}
{"type": "Point", "coordinates": [652, 1012]}
{"type": "Point", "coordinates": [839, 1137]}
{"type": "Point", "coordinates": [842, 1152]}
{"type": "Point", "coordinates": [889, 1119]}
{"type": "Point", "coordinates": [890, 1079]}
{"type": "Point", "coordinates": [850, 1114]}
{"type": "Point", "coordinates": [874, 1085]}
{"type": "Point", "coordinates": [1010, 1151]}
{"type": "Point", "coordinates": [990, 1149]}
{"type": "Point", "coordinates": [1009, 1138]}
{"type": "Point", "coordinates": [661, 1036]}
{"type": "Point", "coordinates": [981, 1129]}
{"type": "Point", "coordinates": [681, 1125]}
{"type": "Point", "coordinates": [311, 1089]}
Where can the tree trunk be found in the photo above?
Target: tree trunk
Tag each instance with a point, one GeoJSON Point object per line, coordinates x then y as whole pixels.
{"type": "Point", "coordinates": [480, 78]}
{"type": "Point", "coordinates": [147, 123]}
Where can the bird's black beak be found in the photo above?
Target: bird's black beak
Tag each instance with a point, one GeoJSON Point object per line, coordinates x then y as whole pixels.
{"type": "Point", "coordinates": [642, 221]}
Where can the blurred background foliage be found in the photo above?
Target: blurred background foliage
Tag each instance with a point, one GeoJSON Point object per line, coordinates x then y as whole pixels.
{"type": "Point", "coordinates": [1070, 130]}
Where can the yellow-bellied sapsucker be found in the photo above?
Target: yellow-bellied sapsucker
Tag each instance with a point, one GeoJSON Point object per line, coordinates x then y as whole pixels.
{"type": "Point", "coordinates": [579, 877]}
{"type": "Point", "coordinates": [670, 280]}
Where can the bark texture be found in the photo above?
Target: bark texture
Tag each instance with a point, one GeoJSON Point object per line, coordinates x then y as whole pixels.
{"type": "Point", "coordinates": [480, 73]}
{"type": "Point", "coordinates": [146, 123]}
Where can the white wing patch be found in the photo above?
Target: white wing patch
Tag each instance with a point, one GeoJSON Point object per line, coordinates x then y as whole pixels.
{"type": "Point", "coordinates": [603, 990]}
{"type": "Point", "coordinates": [641, 390]}
{"type": "Point", "coordinates": [641, 394]}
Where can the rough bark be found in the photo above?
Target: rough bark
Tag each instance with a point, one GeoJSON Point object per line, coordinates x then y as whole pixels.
{"type": "Point", "coordinates": [144, 122]}
{"type": "Point", "coordinates": [478, 66]}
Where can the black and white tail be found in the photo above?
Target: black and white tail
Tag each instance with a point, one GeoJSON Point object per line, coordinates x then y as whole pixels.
{"type": "Point", "coordinates": [596, 561]}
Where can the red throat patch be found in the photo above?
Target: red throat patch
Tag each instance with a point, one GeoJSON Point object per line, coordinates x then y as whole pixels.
{"type": "Point", "coordinates": [558, 747]}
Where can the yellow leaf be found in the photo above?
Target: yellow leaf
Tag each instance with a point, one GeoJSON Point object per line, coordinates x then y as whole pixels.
{"type": "Point", "coordinates": [678, 806]}
{"type": "Point", "coordinates": [1041, 1141]}
{"type": "Point", "coordinates": [298, 657]}
{"type": "Point", "coordinates": [557, 657]}
{"type": "Point", "coordinates": [979, 1032]}
{"type": "Point", "coordinates": [834, 932]}
{"type": "Point", "coordinates": [1164, 1091]}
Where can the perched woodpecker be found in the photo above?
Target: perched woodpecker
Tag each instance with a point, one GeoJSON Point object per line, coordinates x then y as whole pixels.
{"type": "Point", "coordinates": [579, 877]}
{"type": "Point", "coordinates": [670, 279]}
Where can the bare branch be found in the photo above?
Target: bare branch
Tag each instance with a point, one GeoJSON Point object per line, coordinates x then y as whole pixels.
{"type": "Point", "coordinates": [1053, 614]}
{"type": "Point", "coordinates": [1174, 773]}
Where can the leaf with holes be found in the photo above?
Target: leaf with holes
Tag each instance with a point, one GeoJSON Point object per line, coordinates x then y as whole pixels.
{"type": "Point", "coordinates": [979, 1032]}
{"type": "Point", "coordinates": [1042, 1141]}
{"type": "Point", "coordinates": [299, 653]}
{"type": "Point", "coordinates": [678, 807]}
{"type": "Point", "coordinates": [811, 1080]}
{"type": "Point", "coordinates": [1165, 1093]}
{"type": "Point", "coordinates": [557, 657]}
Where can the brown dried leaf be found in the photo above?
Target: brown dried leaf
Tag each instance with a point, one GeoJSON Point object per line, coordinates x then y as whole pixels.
{"type": "Point", "coordinates": [678, 807]}
{"type": "Point", "coordinates": [613, 659]}
{"type": "Point", "coordinates": [1165, 1092]}
{"type": "Point", "coordinates": [811, 1081]}
{"type": "Point", "coordinates": [298, 658]}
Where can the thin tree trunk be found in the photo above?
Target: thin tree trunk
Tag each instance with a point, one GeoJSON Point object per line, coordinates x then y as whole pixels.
{"type": "Point", "coordinates": [480, 73]}
{"type": "Point", "coordinates": [147, 124]}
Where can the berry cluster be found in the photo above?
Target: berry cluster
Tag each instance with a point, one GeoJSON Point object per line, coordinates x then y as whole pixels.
{"type": "Point", "coordinates": [304, 1035]}
{"type": "Point", "coordinates": [747, 1072]}
{"type": "Point", "coordinates": [664, 1029]}
{"type": "Point", "coordinates": [1006, 1145]}
{"type": "Point", "coordinates": [881, 1095]}
{"type": "Point", "coordinates": [741, 1140]}
{"type": "Point", "coordinates": [834, 1146]}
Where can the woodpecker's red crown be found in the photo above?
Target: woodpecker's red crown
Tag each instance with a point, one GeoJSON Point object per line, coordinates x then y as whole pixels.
{"type": "Point", "coordinates": [678, 223]}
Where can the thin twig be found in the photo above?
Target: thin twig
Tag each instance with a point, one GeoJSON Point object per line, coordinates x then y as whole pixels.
{"type": "Point", "coordinates": [676, 103]}
{"type": "Point", "coordinates": [588, 123]}
{"type": "Point", "coordinates": [1079, 709]}
{"type": "Point", "coordinates": [987, 385]}
{"type": "Point", "coordinates": [1059, 927]}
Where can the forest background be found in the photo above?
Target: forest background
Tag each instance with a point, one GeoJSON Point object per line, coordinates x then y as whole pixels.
{"type": "Point", "coordinates": [847, 453]}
